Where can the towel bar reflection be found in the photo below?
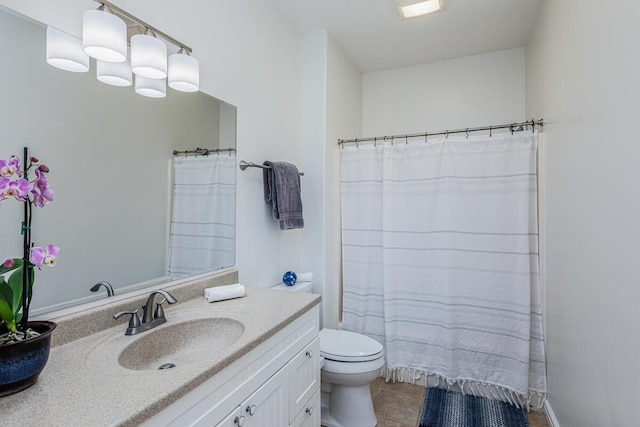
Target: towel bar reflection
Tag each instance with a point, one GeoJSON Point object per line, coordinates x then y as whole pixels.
{"type": "Point", "coordinates": [243, 165]}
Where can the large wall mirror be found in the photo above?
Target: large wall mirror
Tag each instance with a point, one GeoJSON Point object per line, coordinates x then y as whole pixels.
{"type": "Point", "coordinates": [110, 153]}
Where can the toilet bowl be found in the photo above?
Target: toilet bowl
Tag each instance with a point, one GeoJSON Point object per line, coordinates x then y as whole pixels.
{"type": "Point", "coordinates": [351, 362]}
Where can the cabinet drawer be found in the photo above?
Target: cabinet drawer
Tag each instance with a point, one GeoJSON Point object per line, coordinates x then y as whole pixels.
{"type": "Point", "coordinates": [304, 377]}
{"type": "Point", "coordinates": [310, 414]}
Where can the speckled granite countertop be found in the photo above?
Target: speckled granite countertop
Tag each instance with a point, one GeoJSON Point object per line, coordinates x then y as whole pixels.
{"type": "Point", "coordinates": [84, 385]}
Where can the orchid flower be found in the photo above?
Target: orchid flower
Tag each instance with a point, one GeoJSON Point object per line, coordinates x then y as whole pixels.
{"type": "Point", "coordinates": [44, 256]}
{"type": "Point", "coordinates": [41, 183]}
{"type": "Point", "coordinates": [9, 167]}
{"type": "Point", "coordinates": [18, 189]}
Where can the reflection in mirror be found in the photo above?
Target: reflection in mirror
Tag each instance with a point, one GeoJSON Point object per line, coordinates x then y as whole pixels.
{"type": "Point", "coordinates": [110, 153]}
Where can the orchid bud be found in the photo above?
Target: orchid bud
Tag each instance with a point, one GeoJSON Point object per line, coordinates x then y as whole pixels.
{"type": "Point", "coordinates": [9, 263]}
{"type": "Point", "coordinates": [34, 160]}
{"type": "Point", "coordinates": [43, 168]}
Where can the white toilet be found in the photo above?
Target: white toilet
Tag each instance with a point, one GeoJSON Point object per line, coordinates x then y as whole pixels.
{"type": "Point", "coordinates": [351, 362]}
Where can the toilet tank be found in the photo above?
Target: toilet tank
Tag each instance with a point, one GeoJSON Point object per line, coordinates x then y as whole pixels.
{"type": "Point", "coordinates": [305, 287]}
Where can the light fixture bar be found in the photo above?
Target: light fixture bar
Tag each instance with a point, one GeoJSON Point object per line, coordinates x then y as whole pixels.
{"type": "Point", "coordinates": [124, 14]}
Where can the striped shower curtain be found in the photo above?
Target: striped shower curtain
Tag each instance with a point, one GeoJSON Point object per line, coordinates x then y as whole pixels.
{"type": "Point", "coordinates": [203, 224]}
{"type": "Point", "coordinates": [440, 262]}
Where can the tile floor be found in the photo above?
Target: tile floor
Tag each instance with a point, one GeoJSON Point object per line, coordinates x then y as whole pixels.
{"type": "Point", "coordinates": [400, 405]}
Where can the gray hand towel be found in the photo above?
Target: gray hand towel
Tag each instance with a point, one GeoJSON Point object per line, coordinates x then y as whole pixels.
{"type": "Point", "coordinates": [282, 189]}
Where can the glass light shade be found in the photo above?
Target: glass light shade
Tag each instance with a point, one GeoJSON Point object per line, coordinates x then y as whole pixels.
{"type": "Point", "coordinates": [184, 72]}
{"type": "Point", "coordinates": [114, 73]}
{"type": "Point", "coordinates": [413, 8]}
{"type": "Point", "coordinates": [148, 57]}
{"type": "Point", "coordinates": [153, 88]}
{"type": "Point", "coordinates": [65, 52]}
{"type": "Point", "coordinates": [104, 36]}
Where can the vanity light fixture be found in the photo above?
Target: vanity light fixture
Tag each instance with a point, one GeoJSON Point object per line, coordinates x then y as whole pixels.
{"type": "Point", "coordinates": [65, 52]}
{"type": "Point", "coordinates": [104, 37]}
{"type": "Point", "coordinates": [152, 88]}
{"type": "Point", "coordinates": [114, 73]}
{"type": "Point", "coordinates": [184, 72]}
{"type": "Point", "coordinates": [413, 8]}
{"type": "Point", "coordinates": [148, 56]}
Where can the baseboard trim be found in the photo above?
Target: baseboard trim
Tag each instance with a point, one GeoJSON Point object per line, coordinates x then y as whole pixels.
{"type": "Point", "coordinates": [551, 417]}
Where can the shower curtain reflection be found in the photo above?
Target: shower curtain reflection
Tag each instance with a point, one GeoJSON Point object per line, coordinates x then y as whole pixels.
{"type": "Point", "coordinates": [203, 218]}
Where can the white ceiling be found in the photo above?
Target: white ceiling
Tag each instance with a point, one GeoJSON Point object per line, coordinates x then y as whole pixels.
{"type": "Point", "coordinates": [376, 37]}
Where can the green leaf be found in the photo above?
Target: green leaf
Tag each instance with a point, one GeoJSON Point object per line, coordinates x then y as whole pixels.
{"type": "Point", "coordinates": [18, 264]}
{"type": "Point", "coordinates": [15, 283]}
{"type": "Point", "coordinates": [7, 316]}
{"type": "Point", "coordinates": [6, 293]}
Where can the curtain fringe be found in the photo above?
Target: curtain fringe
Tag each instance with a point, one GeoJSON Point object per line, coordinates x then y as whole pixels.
{"type": "Point", "coordinates": [532, 400]}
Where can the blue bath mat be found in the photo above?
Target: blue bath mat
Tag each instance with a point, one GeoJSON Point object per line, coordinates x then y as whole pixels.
{"type": "Point", "coordinates": [450, 409]}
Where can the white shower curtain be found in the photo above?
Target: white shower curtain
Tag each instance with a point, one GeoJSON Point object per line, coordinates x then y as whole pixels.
{"type": "Point", "coordinates": [440, 261]}
{"type": "Point", "coordinates": [203, 219]}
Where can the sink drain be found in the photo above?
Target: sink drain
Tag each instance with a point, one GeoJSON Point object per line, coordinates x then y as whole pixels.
{"type": "Point", "coordinates": [167, 366]}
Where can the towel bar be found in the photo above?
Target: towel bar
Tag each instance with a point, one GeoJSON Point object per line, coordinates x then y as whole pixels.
{"type": "Point", "coordinates": [243, 165]}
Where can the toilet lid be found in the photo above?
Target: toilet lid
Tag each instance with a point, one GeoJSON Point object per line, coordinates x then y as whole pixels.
{"type": "Point", "coordinates": [348, 346]}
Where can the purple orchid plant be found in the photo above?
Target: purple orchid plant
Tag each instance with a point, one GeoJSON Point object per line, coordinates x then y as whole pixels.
{"type": "Point", "coordinates": [17, 275]}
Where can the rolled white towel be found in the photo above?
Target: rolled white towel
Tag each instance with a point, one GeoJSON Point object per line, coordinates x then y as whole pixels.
{"type": "Point", "coordinates": [220, 293]}
{"type": "Point", "coordinates": [304, 277]}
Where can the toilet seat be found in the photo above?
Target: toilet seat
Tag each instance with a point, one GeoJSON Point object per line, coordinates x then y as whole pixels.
{"type": "Point", "coordinates": [346, 346]}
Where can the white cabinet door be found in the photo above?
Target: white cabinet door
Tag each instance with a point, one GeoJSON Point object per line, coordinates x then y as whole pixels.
{"type": "Point", "coordinates": [234, 419]}
{"type": "Point", "coordinates": [269, 405]}
{"type": "Point", "coordinates": [309, 416]}
{"type": "Point", "coordinates": [304, 372]}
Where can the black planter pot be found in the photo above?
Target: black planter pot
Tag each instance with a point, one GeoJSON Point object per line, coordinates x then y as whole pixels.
{"type": "Point", "coordinates": [22, 362]}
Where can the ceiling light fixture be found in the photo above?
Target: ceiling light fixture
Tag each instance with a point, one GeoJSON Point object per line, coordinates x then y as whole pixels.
{"type": "Point", "coordinates": [413, 8]}
{"type": "Point", "coordinates": [104, 37]}
{"type": "Point", "coordinates": [65, 52]}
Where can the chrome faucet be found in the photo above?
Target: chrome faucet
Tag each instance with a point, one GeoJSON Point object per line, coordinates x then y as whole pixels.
{"type": "Point", "coordinates": [150, 317]}
{"type": "Point", "coordinates": [106, 285]}
{"type": "Point", "coordinates": [149, 314]}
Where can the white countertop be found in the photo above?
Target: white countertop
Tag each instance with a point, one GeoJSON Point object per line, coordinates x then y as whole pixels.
{"type": "Point", "coordinates": [84, 385]}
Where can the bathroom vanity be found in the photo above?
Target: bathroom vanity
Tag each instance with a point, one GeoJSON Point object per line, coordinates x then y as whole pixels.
{"type": "Point", "coordinates": [251, 361]}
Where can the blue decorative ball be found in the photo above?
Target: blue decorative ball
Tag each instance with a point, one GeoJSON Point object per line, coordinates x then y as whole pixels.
{"type": "Point", "coordinates": [289, 278]}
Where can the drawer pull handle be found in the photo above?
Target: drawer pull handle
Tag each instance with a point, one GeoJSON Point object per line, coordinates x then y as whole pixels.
{"type": "Point", "coordinates": [309, 411]}
{"type": "Point", "coordinates": [309, 354]}
{"type": "Point", "coordinates": [251, 410]}
{"type": "Point", "coordinates": [239, 421]}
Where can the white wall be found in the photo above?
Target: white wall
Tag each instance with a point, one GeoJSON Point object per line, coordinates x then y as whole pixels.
{"type": "Point", "coordinates": [250, 57]}
{"type": "Point", "coordinates": [466, 92]}
{"type": "Point", "coordinates": [332, 109]}
{"type": "Point", "coordinates": [582, 77]}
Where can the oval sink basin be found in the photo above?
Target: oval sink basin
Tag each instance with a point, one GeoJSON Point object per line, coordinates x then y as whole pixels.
{"type": "Point", "coordinates": [180, 343]}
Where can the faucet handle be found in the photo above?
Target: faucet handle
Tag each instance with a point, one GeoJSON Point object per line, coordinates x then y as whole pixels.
{"type": "Point", "coordinates": [134, 321]}
{"type": "Point", "coordinates": [159, 312]}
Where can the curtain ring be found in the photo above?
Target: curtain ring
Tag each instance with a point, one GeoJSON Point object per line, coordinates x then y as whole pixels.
{"type": "Point", "coordinates": [490, 131]}
{"type": "Point", "coordinates": [375, 141]}
{"type": "Point", "coordinates": [425, 137]}
{"type": "Point", "coordinates": [447, 137]}
{"type": "Point", "coordinates": [533, 126]}
{"type": "Point", "coordinates": [406, 139]}
{"type": "Point", "coordinates": [467, 133]}
{"type": "Point", "coordinates": [357, 146]}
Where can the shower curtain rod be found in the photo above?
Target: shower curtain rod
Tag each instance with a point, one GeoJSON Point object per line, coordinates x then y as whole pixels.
{"type": "Point", "coordinates": [203, 151]}
{"type": "Point", "coordinates": [514, 127]}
